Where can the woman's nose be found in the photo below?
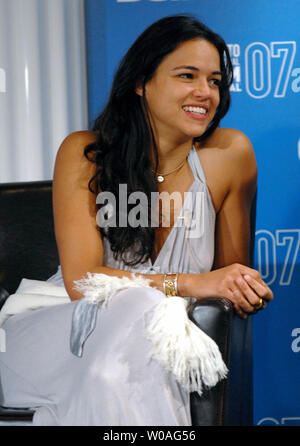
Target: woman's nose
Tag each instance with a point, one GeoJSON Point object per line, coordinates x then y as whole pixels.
{"type": "Point", "coordinates": [202, 89]}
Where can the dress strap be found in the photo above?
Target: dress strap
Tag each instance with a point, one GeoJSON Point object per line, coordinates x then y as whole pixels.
{"type": "Point", "coordinates": [196, 165]}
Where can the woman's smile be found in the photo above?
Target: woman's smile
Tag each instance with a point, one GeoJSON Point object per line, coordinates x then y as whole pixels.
{"type": "Point", "coordinates": [198, 112]}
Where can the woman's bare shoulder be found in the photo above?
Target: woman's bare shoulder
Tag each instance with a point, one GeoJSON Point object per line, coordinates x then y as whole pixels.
{"type": "Point", "coordinates": [70, 154]}
{"type": "Point", "coordinates": [71, 163]}
{"type": "Point", "coordinates": [225, 138]}
{"type": "Point", "coordinates": [228, 159]}
{"type": "Point", "coordinates": [76, 142]}
{"type": "Point", "coordinates": [240, 154]}
{"type": "Point", "coordinates": [234, 145]}
{"type": "Point", "coordinates": [82, 136]}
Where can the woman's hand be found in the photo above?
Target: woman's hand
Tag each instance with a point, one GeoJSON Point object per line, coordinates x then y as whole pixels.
{"type": "Point", "coordinates": [242, 285]}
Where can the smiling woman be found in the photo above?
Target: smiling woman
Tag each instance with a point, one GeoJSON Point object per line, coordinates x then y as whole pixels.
{"type": "Point", "coordinates": [157, 134]}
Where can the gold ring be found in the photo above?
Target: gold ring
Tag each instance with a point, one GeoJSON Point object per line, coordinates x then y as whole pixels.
{"type": "Point", "coordinates": [260, 305]}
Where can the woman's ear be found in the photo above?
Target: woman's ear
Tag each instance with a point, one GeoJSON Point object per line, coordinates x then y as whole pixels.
{"type": "Point", "coordinates": [139, 87]}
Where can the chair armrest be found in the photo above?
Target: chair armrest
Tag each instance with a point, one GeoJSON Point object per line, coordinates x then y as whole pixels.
{"type": "Point", "coordinates": [230, 401]}
{"type": "Point", "coordinates": [214, 316]}
{"type": "Point", "coordinates": [4, 294]}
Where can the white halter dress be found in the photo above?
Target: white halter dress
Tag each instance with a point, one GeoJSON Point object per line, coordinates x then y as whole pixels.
{"type": "Point", "coordinates": [113, 383]}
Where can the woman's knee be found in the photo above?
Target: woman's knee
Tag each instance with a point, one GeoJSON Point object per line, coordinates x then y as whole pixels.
{"type": "Point", "coordinates": [106, 374]}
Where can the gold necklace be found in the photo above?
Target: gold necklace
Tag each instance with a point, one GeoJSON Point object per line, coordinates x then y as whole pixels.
{"type": "Point", "coordinates": [161, 176]}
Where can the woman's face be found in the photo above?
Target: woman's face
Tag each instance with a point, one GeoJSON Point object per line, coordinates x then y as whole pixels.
{"type": "Point", "coordinates": [183, 94]}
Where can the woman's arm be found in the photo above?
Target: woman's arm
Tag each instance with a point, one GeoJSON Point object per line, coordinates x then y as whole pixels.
{"type": "Point", "coordinates": [74, 206]}
{"type": "Point", "coordinates": [231, 276]}
{"type": "Point", "coordinates": [232, 237]}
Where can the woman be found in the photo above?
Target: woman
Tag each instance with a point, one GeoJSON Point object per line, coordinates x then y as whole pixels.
{"type": "Point", "coordinates": [158, 133]}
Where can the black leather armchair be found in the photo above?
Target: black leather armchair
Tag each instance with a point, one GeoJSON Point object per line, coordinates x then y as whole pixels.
{"type": "Point", "coordinates": [28, 249]}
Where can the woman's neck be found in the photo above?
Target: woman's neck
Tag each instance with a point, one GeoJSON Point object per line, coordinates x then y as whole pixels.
{"type": "Point", "coordinates": [170, 155]}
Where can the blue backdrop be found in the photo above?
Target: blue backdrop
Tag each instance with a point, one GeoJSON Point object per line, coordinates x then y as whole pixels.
{"type": "Point", "coordinates": [264, 39]}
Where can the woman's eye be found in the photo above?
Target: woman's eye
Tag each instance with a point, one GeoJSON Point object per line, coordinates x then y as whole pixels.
{"type": "Point", "coordinates": [186, 75]}
{"type": "Point", "coordinates": [216, 82]}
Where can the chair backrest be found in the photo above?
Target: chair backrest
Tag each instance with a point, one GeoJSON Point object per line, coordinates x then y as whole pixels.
{"type": "Point", "coordinates": [27, 241]}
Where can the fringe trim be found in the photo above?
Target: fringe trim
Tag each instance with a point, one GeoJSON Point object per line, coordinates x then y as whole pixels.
{"type": "Point", "coordinates": [183, 348]}
{"type": "Point", "coordinates": [178, 344]}
{"type": "Point", "coordinates": [100, 288]}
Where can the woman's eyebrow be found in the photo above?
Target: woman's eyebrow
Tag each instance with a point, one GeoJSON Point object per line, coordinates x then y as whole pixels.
{"type": "Point", "coordinates": [190, 67]}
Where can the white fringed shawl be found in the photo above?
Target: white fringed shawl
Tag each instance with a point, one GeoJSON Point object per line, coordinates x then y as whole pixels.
{"type": "Point", "coordinates": [178, 344]}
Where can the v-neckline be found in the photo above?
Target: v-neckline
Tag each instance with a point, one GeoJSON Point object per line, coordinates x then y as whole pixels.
{"type": "Point", "coordinates": [153, 264]}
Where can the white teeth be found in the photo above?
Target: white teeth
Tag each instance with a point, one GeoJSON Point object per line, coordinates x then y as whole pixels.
{"type": "Point", "coordinates": [199, 110]}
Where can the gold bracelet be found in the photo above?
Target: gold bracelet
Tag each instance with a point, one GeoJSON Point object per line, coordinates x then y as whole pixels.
{"type": "Point", "coordinates": [170, 284]}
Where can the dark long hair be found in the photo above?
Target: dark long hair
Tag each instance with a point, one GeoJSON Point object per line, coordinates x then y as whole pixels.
{"type": "Point", "coordinates": [124, 134]}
